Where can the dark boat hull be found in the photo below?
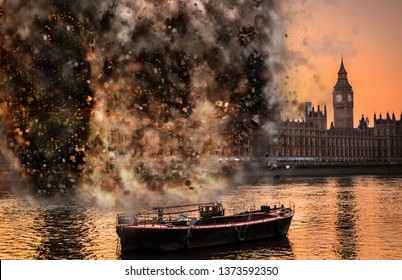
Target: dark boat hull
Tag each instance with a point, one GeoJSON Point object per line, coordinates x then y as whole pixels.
{"type": "Point", "coordinates": [158, 237]}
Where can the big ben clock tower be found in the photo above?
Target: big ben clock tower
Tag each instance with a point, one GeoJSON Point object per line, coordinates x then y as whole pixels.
{"type": "Point", "coordinates": [343, 100]}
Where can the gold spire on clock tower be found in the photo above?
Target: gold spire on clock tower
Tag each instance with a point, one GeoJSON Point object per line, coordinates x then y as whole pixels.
{"type": "Point", "coordinates": [343, 100]}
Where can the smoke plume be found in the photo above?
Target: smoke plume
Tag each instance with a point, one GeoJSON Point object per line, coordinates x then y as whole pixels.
{"type": "Point", "coordinates": [138, 99]}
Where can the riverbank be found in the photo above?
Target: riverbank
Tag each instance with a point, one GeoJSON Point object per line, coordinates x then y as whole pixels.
{"type": "Point", "coordinates": [333, 169]}
{"type": "Point", "coordinates": [256, 171]}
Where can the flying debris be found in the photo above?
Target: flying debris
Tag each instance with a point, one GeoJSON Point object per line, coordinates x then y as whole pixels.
{"type": "Point", "coordinates": [135, 97]}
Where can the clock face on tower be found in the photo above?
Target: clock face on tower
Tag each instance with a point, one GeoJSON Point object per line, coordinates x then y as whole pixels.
{"type": "Point", "coordinates": [349, 97]}
{"type": "Point", "coordinates": [338, 98]}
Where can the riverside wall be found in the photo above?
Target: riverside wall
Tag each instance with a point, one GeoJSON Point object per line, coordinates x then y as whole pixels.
{"type": "Point", "coordinates": [333, 169]}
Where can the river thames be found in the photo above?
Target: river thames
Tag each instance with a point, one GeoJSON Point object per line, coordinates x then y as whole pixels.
{"type": "Point", "coordinates": [345, 217]}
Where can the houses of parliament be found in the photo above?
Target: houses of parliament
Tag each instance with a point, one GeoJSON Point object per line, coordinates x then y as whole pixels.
{"type": "Point", "coordinates": [311, 140]}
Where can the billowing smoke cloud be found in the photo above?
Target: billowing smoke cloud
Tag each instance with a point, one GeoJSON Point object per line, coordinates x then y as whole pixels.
{"type": "Point", "coordinates": [137, 98]}
{"type": "Point", "coordinates": [45, 84]}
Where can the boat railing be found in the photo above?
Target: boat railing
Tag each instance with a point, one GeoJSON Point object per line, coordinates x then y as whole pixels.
{"type": "Point", "coordinates": [281, 204]}
{"type": "Point", "coordinates": [151, 218]}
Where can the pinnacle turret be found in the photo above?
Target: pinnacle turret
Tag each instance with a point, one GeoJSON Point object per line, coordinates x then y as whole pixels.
{"type": "Point", "coordinates": [342, 74]}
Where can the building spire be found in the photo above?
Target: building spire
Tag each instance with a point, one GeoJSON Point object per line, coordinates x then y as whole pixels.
{"type": "Point", "coordinates": [342, 71]}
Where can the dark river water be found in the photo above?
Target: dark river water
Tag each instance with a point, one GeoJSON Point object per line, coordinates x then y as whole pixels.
{"type": "Point", "coordinates": [354, 217]}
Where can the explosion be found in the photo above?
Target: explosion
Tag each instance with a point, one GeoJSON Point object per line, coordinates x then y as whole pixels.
{"type": "Point", "coordinates": [137, 98]}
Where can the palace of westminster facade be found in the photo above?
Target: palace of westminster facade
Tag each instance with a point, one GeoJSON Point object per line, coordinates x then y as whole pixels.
{"type": "Point", "coordinates": [310, 140]}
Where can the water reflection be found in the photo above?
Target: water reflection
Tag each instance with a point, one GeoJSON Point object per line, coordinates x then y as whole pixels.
{"type": "Point", "coordinates": [275, 248]}
{"type": "Point", "coordinates": [63, 233]}
{"type": "Point", "coordinates": [346, 246]}
{"type": "Point", "coordinates": [336, 218]}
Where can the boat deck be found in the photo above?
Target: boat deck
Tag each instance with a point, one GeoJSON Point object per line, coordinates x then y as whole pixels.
{"type": "Point", "coordinates": [242, 219]}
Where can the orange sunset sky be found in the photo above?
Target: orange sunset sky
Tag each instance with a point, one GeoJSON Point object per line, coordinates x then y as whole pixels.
{"type": "Point", "coordinates": [368, 34]}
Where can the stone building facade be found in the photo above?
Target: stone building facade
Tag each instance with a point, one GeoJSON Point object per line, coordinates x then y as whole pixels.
{"type": "Point", "coordinates": [310, 140]}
